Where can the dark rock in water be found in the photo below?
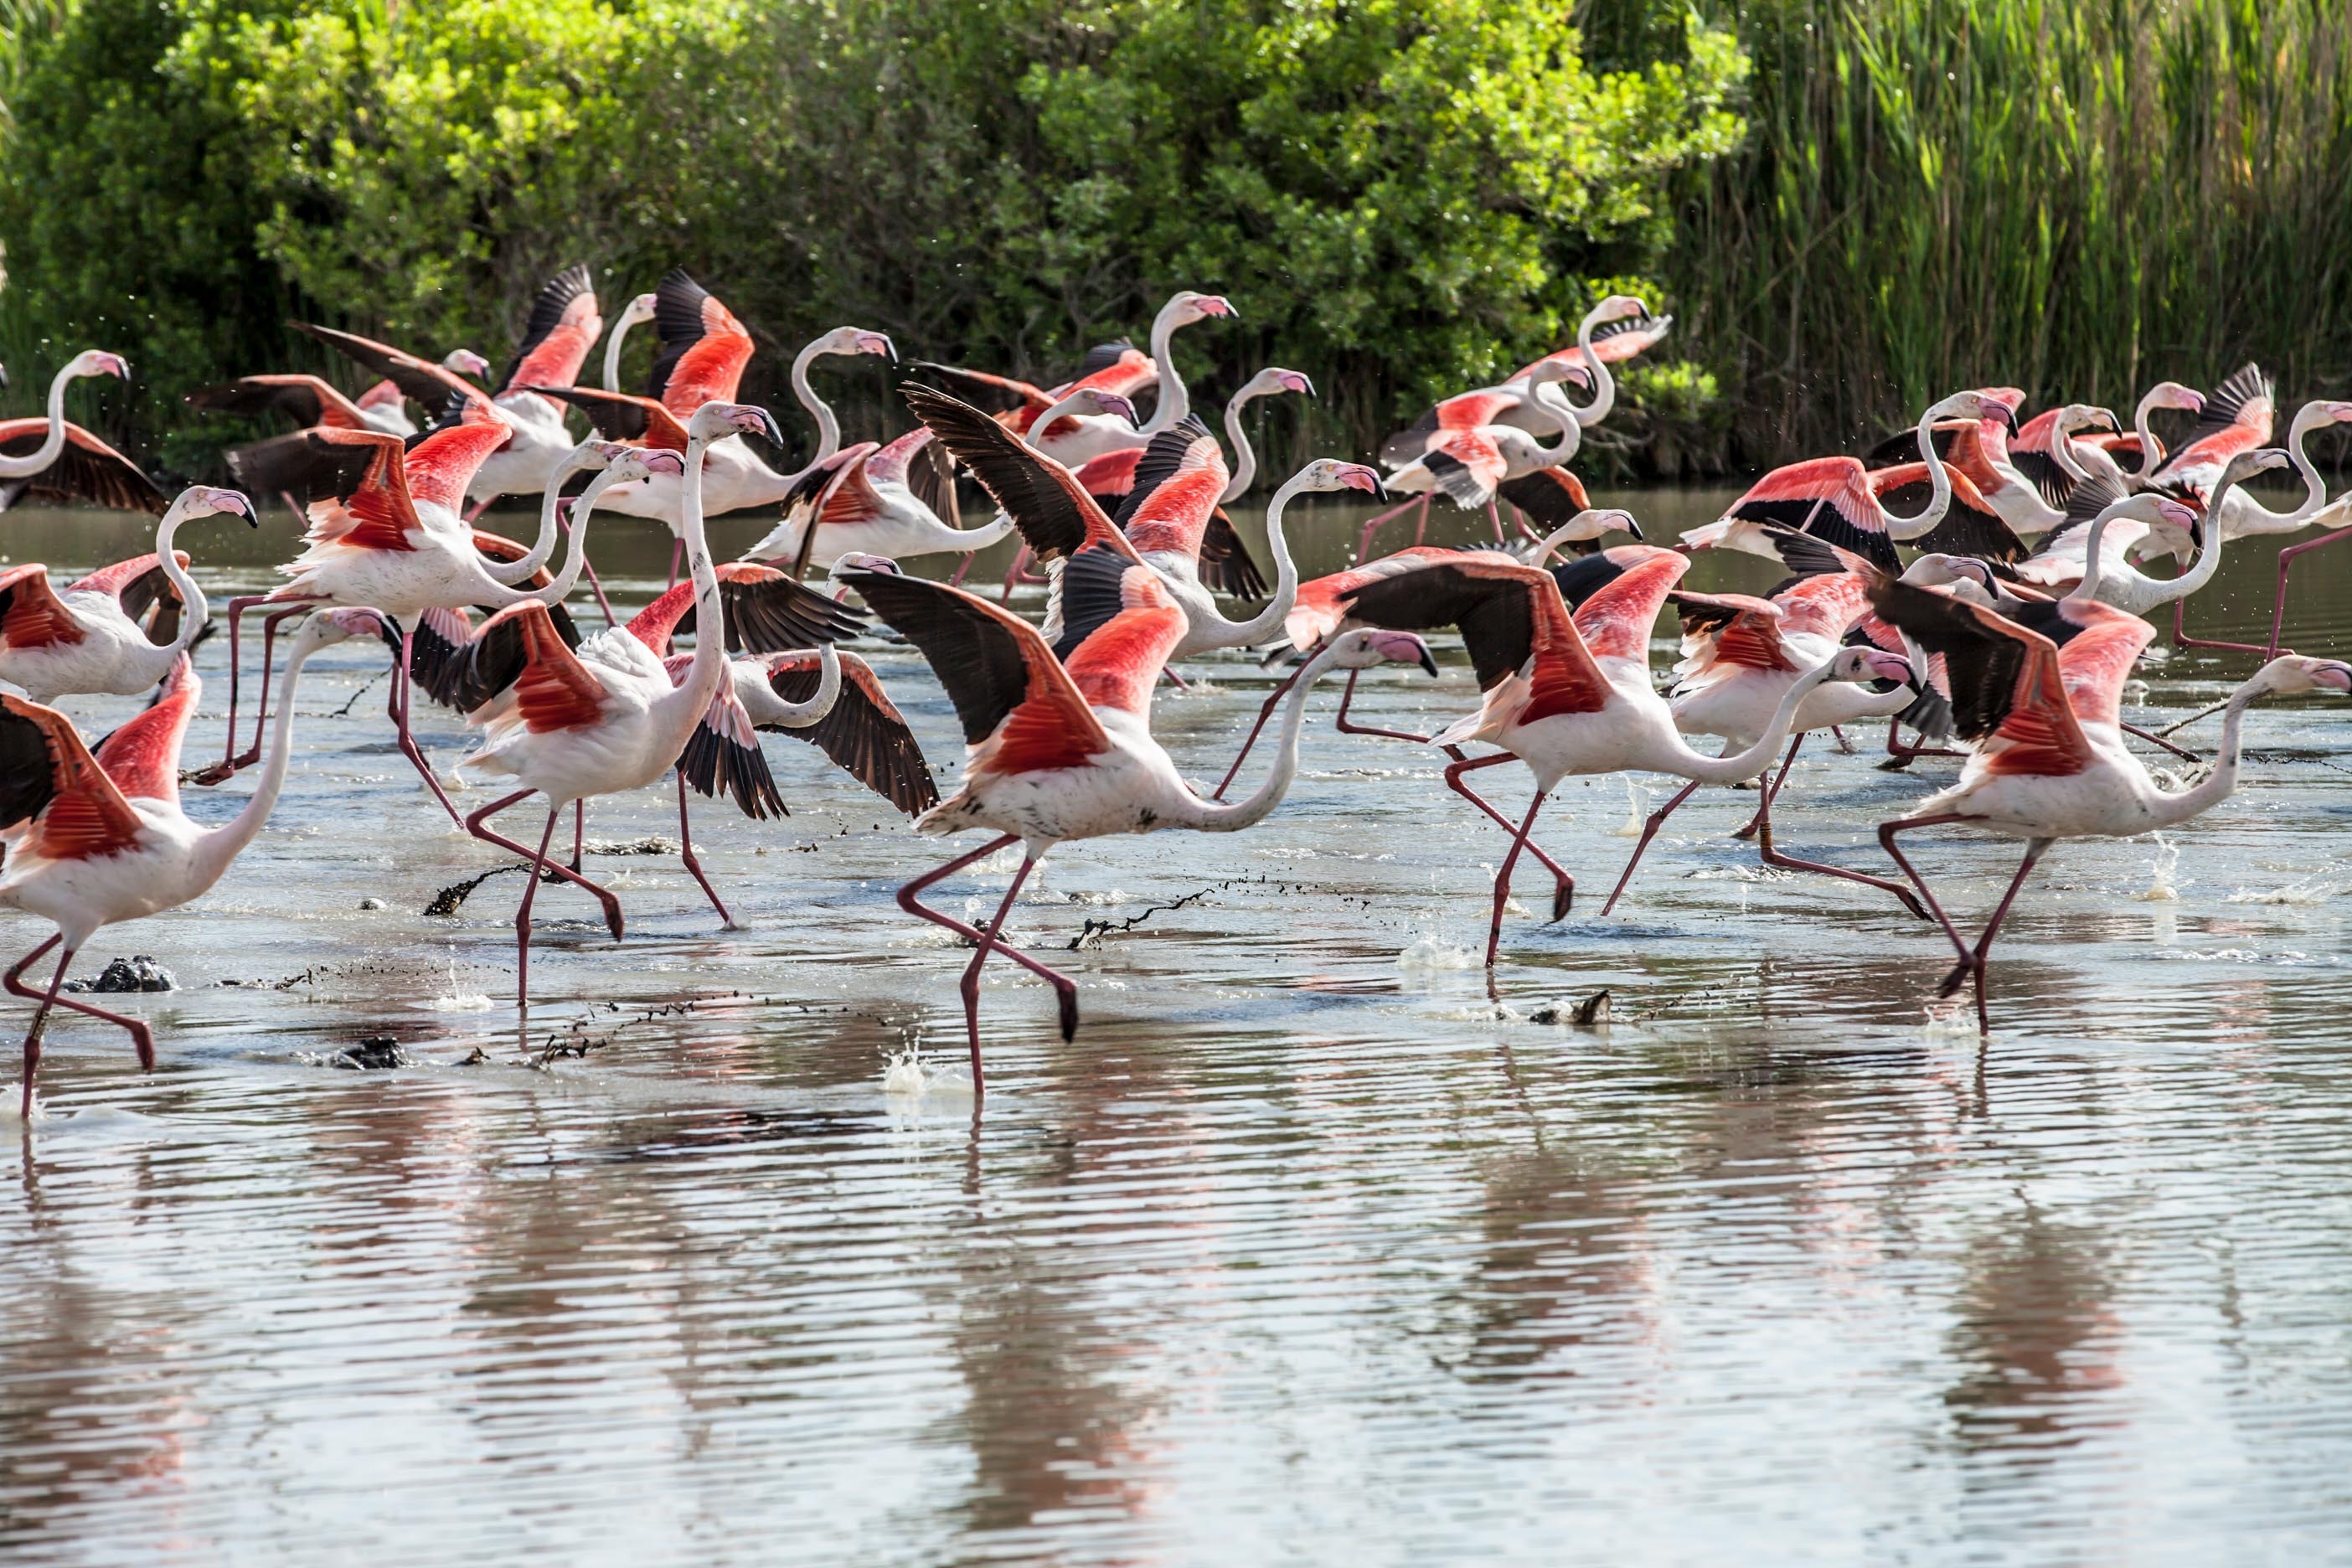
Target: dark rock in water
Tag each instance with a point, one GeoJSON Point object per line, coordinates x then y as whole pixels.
{"type": "Point", "coordinates": [373, 1054]}
{"type": "Point", "coordinates": [139, 973]}
{"type": "Point", "coordinates": [1590, 1012]}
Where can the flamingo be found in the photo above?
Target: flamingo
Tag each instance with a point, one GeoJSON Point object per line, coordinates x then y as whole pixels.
{"type": "Point", "coordinates": [52, 429]}
{"type": "Point", "coordinates": [2149, 453]}
{"type": "Point", "coordinates": [2050, 762]}
{"type": "Point", "coordinates": [1061, 750]}
{"type": "Point", "coordinates": [2245, 518]}
{"type": "Point", "coordinates": [563, 328]}
{"type": "Point", "coordinates": [396, 543]}
{"type": "Point", "coordinates": [94, 840]}
{"type": "Point", "coordinates": [859, 728]}
{"type": "Point", "coordinates": [1319, 613]}
{"type": "Point", "coordinates": [863, 501]}
{"type": "Point", "coordinates": [637, 312]}
{"type": "Point", "coordinates": [1832, 499]}
{"type": "Point", "coordinates": [607, 717]}
{"type": "Point", "coordinates": [1516, 405]}
{"type": "Point", "coordinates": [704, 349]}
{"type": "Point", "coordinates": [1571, 694]}
{"type": "Point", "coordinates": [2045, 449]}
{"type": "Point", "coordinates": [282, 463]}
{"type": "Point", "coordinates": [2086, 558]}
{"type": "Point", "coordinates": [88, 639]}
{"type": "Point", "coordinates": [439, 385]}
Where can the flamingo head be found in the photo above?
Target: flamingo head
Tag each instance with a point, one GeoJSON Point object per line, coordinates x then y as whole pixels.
{"type": "Point", "coordinates": [1936, 570]}
{"type": "Point", "coordinates": [1191, 307]}
{"type": "Point", "coordinates": [643, 462]}
{"type": "Point", "coordinates": [342, 623]}
{"type": "Point", "coordinates": [2324, 412]}
{"type": "Point", "coordinates": [716, 419]}
{"type": "Point", "coordinates": [1558, 368]}
{"type": "Point", "coordinates": [465, 361]}
{"type": "Point", "coordinates": [639, 310]}
{"type": "Point", "coordinates": [205, 500]}
{"type": "Point", "coordinates": [1326, 474]}
{"type": "Point", "coordinates": [2292, 673]}
{"type": "Point", "coordinates": [1273, 380]}
{"type": "Point", "coordinates": [1368, 646]}
{"type": "Point", "coordinates": [1865, 666]}
{"type": "Point", "coordinates": [1594, 521]}
{"type": "Point", "coordinates": [857, 341]}
{"type": "Point", "coordinates": [1619, 308]}
{"type": "Point", "coordinates": [1979, 404]}
{"type": "Point", "coordinates": [2087, 417]}
{"type": "Point", "coordinates": [98, 362]}
{"type": "Point", "coordinates": [2011, 397]}
{"type": "Point", "coordinates": [859, 561]}
{"type": "Point", "coordinates": [2172, 395]}
{"type": "Point", "coordinates": [1111, 403]}
{"type": "Point", "coordinates": [2261, 461]}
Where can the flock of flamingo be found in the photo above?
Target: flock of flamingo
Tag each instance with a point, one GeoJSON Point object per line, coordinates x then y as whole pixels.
{"type": "Point", "coordinates": [2004, 643]}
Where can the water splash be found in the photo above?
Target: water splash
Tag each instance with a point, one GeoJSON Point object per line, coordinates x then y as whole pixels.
{"type": "Point", "coordinates": [456, 1000]}
{"type": "Point", "coordinates": [1432, 954]}
{"type": "Point", "coordinates": [1637, 800]}
{"type": "Point", "coordinates": [2161, 889]}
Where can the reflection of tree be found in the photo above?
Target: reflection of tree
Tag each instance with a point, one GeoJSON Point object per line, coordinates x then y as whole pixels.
{"type": "Point", "coordinates": [2036, 1337]}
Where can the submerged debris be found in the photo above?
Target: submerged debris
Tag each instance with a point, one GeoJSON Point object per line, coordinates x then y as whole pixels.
{"type": "Point", "coordinates": [1592, 1012]}
{"type": "Point", "coordinates": [371, 903]}
{"type": "Point", "coordinates": [374, 1054]}
{"type": "Point", "coordinates": [139, 973]}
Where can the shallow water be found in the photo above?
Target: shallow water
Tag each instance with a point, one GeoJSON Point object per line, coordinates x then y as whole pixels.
{"type": "Point", "coordinates": [1302, 1252]}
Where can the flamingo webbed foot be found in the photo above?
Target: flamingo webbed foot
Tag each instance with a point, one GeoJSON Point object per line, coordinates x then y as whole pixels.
{"type": "Point", "coordinates": [1563, 899]}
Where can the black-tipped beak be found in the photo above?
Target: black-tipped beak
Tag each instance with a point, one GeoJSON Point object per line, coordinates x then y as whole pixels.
{"type": "Point", "coordinates": [1429, 661]}
{"type": "Point", "coordinates": [2005, 417]}
{"type": "Point", "coordinates": [1632, 527]}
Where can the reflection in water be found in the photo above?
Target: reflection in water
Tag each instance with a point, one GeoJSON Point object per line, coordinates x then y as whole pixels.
{"type": "Point", "coordinates": [1302, 1251]}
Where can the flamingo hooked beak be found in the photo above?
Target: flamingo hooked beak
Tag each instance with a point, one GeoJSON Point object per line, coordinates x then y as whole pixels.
{"type": "Point", "coordinates": [469, 363]}
{"type": "Point", "coordinates": [876, 344]}
{"type": "Point", "coordinates": [1356, 477]}
{"type": "Point", "coordinates": [756, 421]}
{"type": "Point", "coordinates": [659, 461]}
{"type": "Point", "coordinates": [237, 504]}
{"type": "Point", "coordinates": [1113, 403]}
{"type": "Point", "coordinates": [1293, 382]}
{"type": "Point", "coordinates": [1894, 667]}
{"type": "Point", "coordinates": [2335, 675]}
{"type": "Point", "coordinates": [114, 365]}
{"type": "Point", "coordinates": [1216, 305]}
{"type": "Point", "coordinates": [1626, 522]}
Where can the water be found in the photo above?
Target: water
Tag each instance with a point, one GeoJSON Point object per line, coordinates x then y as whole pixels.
{"type": "Point", "coordinates": [1305, 1251]}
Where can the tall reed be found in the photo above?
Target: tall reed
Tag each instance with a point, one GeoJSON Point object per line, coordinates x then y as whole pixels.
{"type": "Point", "coordinates": [2079, 196]}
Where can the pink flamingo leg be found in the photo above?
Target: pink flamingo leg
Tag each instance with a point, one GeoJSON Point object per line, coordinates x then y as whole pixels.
{"type": "Point", "coordinates": [1420, 523]}
{"type": "Point", "coordinates": [1563, 896]}
{"type": "Point", "coordinates": [1257, 729]}
{"type": "Point", "coordinates": [578, 831]}
{"type": "Point", "coordinates": [403, 692]}
{"type": "Point", "coordinates": [2155, 740]}
{"type": "Point", "coordinates": [230, 762]}
{"type": "Point", "coordinates": [1972, 959]}
{"type": "Point", "coordinates": [477, 825]}
{"type": "Point", "coordinates": [479, 507]}
{"type": "Point", "coordinates": [963, 568]}
{"type": "Point", "coordinates": [2181, 639]}
{"type": "Point", "coordinates": [1339, 720]}
{"type": "Point", "coordinates": [1018, 572]}
{"type": "Point", "coordinates": [539, 867]}
{"type": "Point", "coordinates": [1503, 877]}
{"type": "Point", "coordinates": [1772, 856]}
{"type": "Point", "coordinates": [142, 1039]}
{"type": "Point", "coordinates": [686, 853]}
{"type": "Point", "coordinates": [1771, 791]}
{"type": "Point", "coordinates": [1364, 545]}
{"type": "Point", "coordinates": [1065, 988]}
{"type": "Point", "coordinates": [1496, 518]}
{"type": "Point", "coordinates": [2285, 564]}
{"type": "Point", "coordinates": [1901, 755]}
{"type": "Point", "coordinates": [1649, 830]}
{"type": "Point", "coordinates": [595, 584]}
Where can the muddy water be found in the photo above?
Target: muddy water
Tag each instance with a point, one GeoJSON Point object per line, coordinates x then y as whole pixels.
{"type": "Point", "coordinates": [1302, 1252]}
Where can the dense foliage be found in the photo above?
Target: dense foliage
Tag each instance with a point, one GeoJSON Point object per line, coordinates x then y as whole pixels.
{"type": "Point", "coordinates": [1853, 206]}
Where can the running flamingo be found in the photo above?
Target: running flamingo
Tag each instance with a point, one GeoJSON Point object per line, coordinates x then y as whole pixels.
{"type": "Point", "coordinates": [864, 501]}
{"type": "Point", "coordinates": [563, 327]}
{"type": "Point", "coordinates": [49, 432]}
{"type": "Point", "coordinates": [96, 840]}
{"type": "Point", "coordinates": [88, 639]}
{"type": "Point", "coordinates": [2050, 762]}
{"type": "Point", "coordinates": [1571, 694]}
{"type": "Point", "coordinates": [635, 313]}
{"type": "Point", "coordinates": [1058, 750]}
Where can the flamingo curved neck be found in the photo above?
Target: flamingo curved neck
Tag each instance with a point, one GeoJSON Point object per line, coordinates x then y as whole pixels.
{"type": "Point", "coordinates": [1210, 816]}
{"type": "Point", "coordinates": [683, 705]}
{"type": "Point", "coordinates": [1738, 767]}
{"type": "Point", "coordinates": [1552, 400]}
{"type": "Point", "coordinates": [2147, 464]}
{"type": "Point", "coordinates": [613, 354]}
{"type": "Point", "coordinates": [194, 610]}
{"type": "Point", "coordinates": [551, 501]}
{"type": "Point", "coordinates": [828, 428]}
{"type": "Point", "coordinates": [1940, 483]}
{"type": "Point", "coordinates": [52, 443]}
{"type": "Point", "coordinates": [2314, 489]}
{"type": "Point", "coordinates": [1604, 385]}
{"type": "Point", "coordinates": [2169, 808]}
{"type": "Point", "coordinates": [1244, 454]}
{"type": "Point", "coordinates": [1269, 619]}
{"type": "Point", "coordinates": [801, 715]}
{"type": "Point", "coordinates": [1174, 402]}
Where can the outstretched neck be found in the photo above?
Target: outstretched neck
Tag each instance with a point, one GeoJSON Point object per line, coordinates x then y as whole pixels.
{"type": "Point", "coordinates": [1939, 488]}
{"type": "Point", "coordinates": [1175, 402]}
{"type": "Point", "coordinates": [550, 503]}
{"type": "Point", "coordinates": [1244, 454]}
{"type": "Point", "coordinates": [2222, 783]}
{"type": "Point", "coordinates": [1269, 620]}
{"type": "Point", "coordinates": [1211, 817]}
{"type": "Point", "coordinates": [687, 699]}
{"type": "Point", "coordinates": [52, 443]}
{"type": "Point", "coordinates": [223, 844]}
{"type": "Point", "coordinates": [1738, 767]}
{"type": "Point", "coordinates": [828, 428]}
{"type": "Point", "coordinates": [2315, 487]}
{"type": "Point", "coordinates": [613, 354]}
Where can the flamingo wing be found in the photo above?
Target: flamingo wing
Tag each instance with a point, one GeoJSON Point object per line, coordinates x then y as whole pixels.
{"type": "Point", "coordinates": [1731, 629]}
{"type": "Point", "coordinates": [767, 611]}
{"type": "Point", "coordinates": [305, 399]}
{"type": "Point", "coordinates": [2007, 690]}
{"type": "Point", "coordinates": [1614, 617]}
{"type": "Point", "coordinates": [1226, 566]}
{"type": "Point", "coordinates": [48, 778]}
{"type": "Point", "coordinates": [1119, 662]}
{"type": "Point", "coordinates": [142, 756]}
{"type": "Point", "coordinates": [864, 733]}
{"type": "Point", "coordinates": [87, 469]}
{"type": "Point", "coordinates": [441, 464]}
{"type": "Point", "coordinates": [1110, 477]}
{"type": "Point", "coordinates": [1052, 509]}
{"type": "Point", "coordinates": [1969, 525]}
{"type": "Point", "coordinates": [1177, 482]}
{"type": "Point", "coordinates": [703, 348]}
{"type": "Point", "coordinates": [1549, 497]}
{"type": "Point", "coordinates": [431, 385]}
{"type": "Point", "coordinates": [373, 511]}
{"type": "Point", "coordinates": [31, 613]}
{"type": "Point", "coordinates": [564, 325]}
{"type": "Point", "coordinates": [1017, 703]}
{"type": "Point", "coordinates": [1827, 498]}
{"type": "Point", "coordinates": [2237, 417]}
{"type": "Point", "coordinates": [1026, 397]}
{"type": "Point", "coordinates": [135, 584]}
{"type": "Point", "coordinates": [722, 757]}
{"type": "Point", "coordinates": [1467, 464]}
{"type": "Point", "coordinates": [1613, 341]}
{"type": "Point", "coordinates": [519, 650]}
{"type": "Point", "coordinates": [1512, 620]}
{"type": "Point", "coordinates": [1119, 368]}
{"type": "Point", "coordinates": [620, 415]}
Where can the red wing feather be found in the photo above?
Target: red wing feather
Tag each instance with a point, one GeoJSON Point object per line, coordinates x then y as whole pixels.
{"type": "Point", "coordinates": [31, 613]}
